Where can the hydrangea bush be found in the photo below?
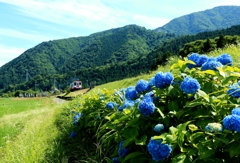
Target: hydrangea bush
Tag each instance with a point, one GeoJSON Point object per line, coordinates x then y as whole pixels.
{"type": "Point", "coordinates": [189, 114]}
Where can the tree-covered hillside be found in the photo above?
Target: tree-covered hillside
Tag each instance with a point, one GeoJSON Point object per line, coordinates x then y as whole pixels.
{"type": "Point", "coordinates": [173, 46]}
{"type": "Point", "coordinates": [209, 20]}
{"type": "Point", "coordinates": [128, 67]}
{"type": "Point", "coordinates": [66, 55]}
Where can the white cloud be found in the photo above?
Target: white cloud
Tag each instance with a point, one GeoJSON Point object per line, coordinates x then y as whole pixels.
{"type": "Point", "coordinates": [32, 36]}
{"type": "Point", "coordinates": [95, 14]}
{"type": "Point", "coordinates": [9, 53]}
{"type": "Point", "coordinates": [91, 14]}
{"type": "Point", "coordinates": [151, 22]}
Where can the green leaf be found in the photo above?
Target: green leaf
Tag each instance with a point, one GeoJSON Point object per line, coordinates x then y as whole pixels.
{"type": "Point", "coordinates": [192, 127]}
{"type": "Point", "coordinates": [203, 95]}
{"type": "Point", "coordinates": [234, 149]}
{"type": "Point", "coordinates": [195, 135]}
{"type": "Point", "coordinates": [193, 104]}
{"type": "Point", "coordinates": [179, 158]}
{"type": "Point", "coordinates": [167, 121]}
{"type": "Point", "coordinates": [110, 126]}
{"type": "Point", "coordinates": [126, 111]}
{"type": "Point", "coordinates": [127, 142]}
{"type": "Point", "coordinates": [210, 72]}
{"type": "Point", "coordinates": [236, 74]}
{"type": "Point", "coordinates": [132, 122]}
{"type": "Point", "coordinates": [160, 112]}
{"type": "Point", "coordinates": [141, 141]}
{"type": "Point", "coordinates": [205, 152]}
{"type": "Point", "coordinates": [132, 155]}
{"type": "Point", "coordinates": [173, 130]}
{"type": "Point", "coordinates": [123, 118]}
{"type": "Point", "coordinates": [173, 106]}
{"type": "Point", "coordinates": [221, 72]}
{"type": "Point", "coordinates": [224, 140]}
{"type": "Point", "coordinates": [181, 132]}
{"type": "Point", "coordinates": [169, 139]}
{"type": "Point", "coordinates": [130, 132]}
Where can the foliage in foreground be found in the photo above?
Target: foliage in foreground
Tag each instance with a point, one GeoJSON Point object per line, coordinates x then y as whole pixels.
{"type": "Point", "coordinates": [189, 114]}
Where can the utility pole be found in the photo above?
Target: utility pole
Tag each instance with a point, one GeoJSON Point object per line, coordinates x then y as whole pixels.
{"type": "Point", "coordinates": [54, 83]}
{"type": "Point", "coordinates": [27, 75]}
{"type": "Point", "coordinates": [35, 86]}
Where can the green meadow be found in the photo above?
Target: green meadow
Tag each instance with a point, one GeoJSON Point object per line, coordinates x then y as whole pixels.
{"type": "Point", "coordinates": [28, 129]}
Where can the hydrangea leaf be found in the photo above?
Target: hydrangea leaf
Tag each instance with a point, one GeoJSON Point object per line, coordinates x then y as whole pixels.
{"type": "Point", "coordinates": [179, 158]}
{"type": "Point", "coordinates": [203, 95]}
{"type": "Point", "coordinates": [235, 74]}
{"type": "Point", "coordinates": [130, 132]}
{"type": "Point", "coordinates": [132, 155]}
{"type": "Point", "coordinates": [196, 135]}
{"type": "Point", "coordinates": [160, 112]}
{"type": "Point", "coordinates": [205, 152]}
{"type": "Point", "coordinates": [210, 72]}
{"type": "Point", "coordinates": [141, 141]}
{"type": "Point", "coordinates": [126, 111]}
{"type": "Point", "coordinates": [221, 72]}
{"type": "Point", "coordinates": [234, 149]}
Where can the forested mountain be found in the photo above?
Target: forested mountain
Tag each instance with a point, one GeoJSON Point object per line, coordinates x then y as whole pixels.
{"type": "Point", "coordinates": [132, 67]}
{"type": "Point", "coordinates": [209, 20]}
{"type": "Point", "coordinates": [173, 46]}
{"type": "Point", "coordinates": [66, 55]}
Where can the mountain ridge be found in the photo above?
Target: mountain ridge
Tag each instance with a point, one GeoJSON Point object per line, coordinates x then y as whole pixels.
{"type": "Point", "coordinates": [219, 17]}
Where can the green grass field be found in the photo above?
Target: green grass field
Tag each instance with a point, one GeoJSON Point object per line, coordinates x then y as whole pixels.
{"type": "Point", "coordinates": [27, 129]}
{"type": "Point", "coordinates": [17, 105]}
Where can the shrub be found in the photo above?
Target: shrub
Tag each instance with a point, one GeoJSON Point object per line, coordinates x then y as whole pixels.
{"type": "Point", "coordinates": [197, 106]}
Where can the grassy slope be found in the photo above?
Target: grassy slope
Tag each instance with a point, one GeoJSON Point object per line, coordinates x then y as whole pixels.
{"type": "Point", "coordinates": [28, 136]}
{"type": "Point", "coordinates": [233, 50]}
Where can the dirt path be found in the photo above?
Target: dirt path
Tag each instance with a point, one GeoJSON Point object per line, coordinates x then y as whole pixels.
{"type": "Point", "coordinates": [59, 101]}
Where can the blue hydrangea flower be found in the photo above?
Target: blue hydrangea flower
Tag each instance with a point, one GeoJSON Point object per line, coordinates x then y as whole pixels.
{"type": "Point", "coordinates": [234, 90]}
{"type": "Point", "coordinates": [110, 105]}
{"type": "Point", "coordinates": [76, 118]}
{"type": "Point", "coordinates": [128, 103]}
{"type": "Point", "coordinates": [141, 86]}
{"type": "Point", "coordinates": [158, 128]}
{"type": "Point", "coordinates": [131, 93]}
{"type": "Point", "coordinates": [162, 80]}
{"type": "Point", "coordinates": [190, 85]}
{"type": "Point", "coordinates": [239, 82]}
{"type": "Point", "coordinates": [202, 59]}
{"type": "Point", "coordinates": [115, 160]}
{"type": "Point", "coordinates": [149, 96]}
{"type": "Point", "coordinates": [199, 60]}
{"type": "Point", "coordinates": [211, 64]}
{"type": "Point", "coordinates": [73, 134]}
{"type": "Point", "coordinates": [225, 59]}
{"type": "Point", "coordinates": [146, 108]}
{"type": "Point", "coordinates": [193, 57]}
{"type": "Point", "coordinates": [151, 83]}
{"type": "Point", "coordinates": [236, 111]}
{"type": "Point", "coordinates": [122, 152]}
{"type": "Point", "coordinates": [232, 123]}
{"type": "Point", "coordinates": [158, 151]}
{"type": "Point", "coordinates": [214, 127]}
{"type": "Point", "coordinates": [120, 108]}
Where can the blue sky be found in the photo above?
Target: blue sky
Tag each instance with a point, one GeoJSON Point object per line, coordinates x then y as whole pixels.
{"type": "Point", "coordinates": [26, 23]}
